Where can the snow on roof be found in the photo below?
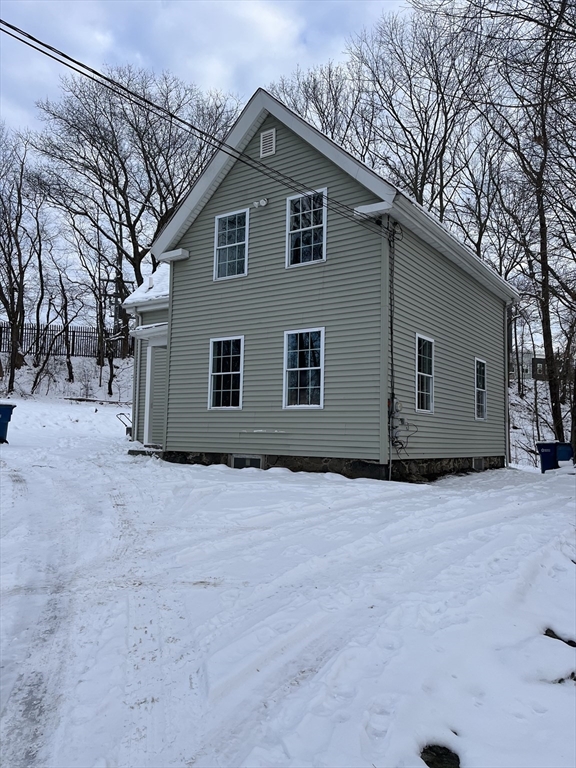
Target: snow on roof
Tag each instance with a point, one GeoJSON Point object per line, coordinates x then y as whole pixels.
{"type": "Point", "coordinates": [155, 286]}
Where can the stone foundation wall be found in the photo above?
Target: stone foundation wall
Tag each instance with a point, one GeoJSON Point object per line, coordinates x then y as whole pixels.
{"type": "Point", "coordinates": [413, 471]}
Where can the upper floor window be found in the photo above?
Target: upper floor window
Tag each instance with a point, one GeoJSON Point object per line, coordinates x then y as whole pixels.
{"type": "Point", "coordinates": [226, 370]}
{"type": "Point", "coordinates": [480, 387]}
{"type": "Point", "coordinates": [304, 368]}
{"type": "Point", "coordinates": [424, 374]}
{"type": "Point", "coordinates": [306, 228]}
{"type": "Point", "coordinates": [231, 245]}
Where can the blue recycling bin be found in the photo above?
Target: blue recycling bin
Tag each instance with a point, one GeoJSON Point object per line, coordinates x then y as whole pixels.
{"type": "Point", "coordinates": [553, 452]}
{"type": "Point", "coordinates": [5, 416]}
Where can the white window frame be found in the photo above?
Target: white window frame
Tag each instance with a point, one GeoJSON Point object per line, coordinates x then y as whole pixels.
{"type": "Point", "coordinates": [216, 220]}
{"type": "Point", "coordinates": [431, 377]}
{"type": "Point", "coordinates": [324, 192]}
{"type": "Point", "coordinates": [285, 405]}
{"type": "Point", "coordinates": [211, 374]}
{"type": "Point", "coordinates": [478, 389]}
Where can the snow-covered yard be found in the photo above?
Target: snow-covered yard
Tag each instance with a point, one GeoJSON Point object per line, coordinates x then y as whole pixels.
{"type": "Point", "coordinates": [159, 615]}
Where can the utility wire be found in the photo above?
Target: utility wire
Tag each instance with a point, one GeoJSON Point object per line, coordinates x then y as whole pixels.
{"type": "Point", "coordinates": [113, 85]}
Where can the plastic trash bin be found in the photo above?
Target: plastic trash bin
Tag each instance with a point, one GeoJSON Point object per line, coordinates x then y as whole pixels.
{"type": "Point", "coordinates": [5, 416]}
{"type": "Point", "coordinates": [553, 452]}
{"type": "Point", "coordinates": [564, 452]}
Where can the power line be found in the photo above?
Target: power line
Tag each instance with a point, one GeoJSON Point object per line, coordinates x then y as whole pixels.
{"type": "Point", "coordinates": [113, 85]}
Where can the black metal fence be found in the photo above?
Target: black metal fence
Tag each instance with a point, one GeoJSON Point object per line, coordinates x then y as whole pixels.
{"type": "Point", "coordinates": [51, 339]}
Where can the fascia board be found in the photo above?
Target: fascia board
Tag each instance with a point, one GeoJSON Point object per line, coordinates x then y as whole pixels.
{"type": "Point", "coordinates": [146, 306]}
{"type": "Point", "coordinates": [432, 232]}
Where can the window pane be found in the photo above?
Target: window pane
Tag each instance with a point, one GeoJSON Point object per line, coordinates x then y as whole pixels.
{"type": "Point", "coordinates": [306, 242]}
{"type": "Point", "coordinates": [425, 356]}
{"type": "Point", "coordinates": [231, 245]}
{"type": "Point", "coordinates": [226, 357]}
{"type": "Point", "coordinates": [303, 366]}
{"type": "Point", "coordinates": [480, 375]}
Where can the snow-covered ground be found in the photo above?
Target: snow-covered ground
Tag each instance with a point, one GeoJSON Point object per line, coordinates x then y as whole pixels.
{"type": "Point", "coordinates": [160, 615]}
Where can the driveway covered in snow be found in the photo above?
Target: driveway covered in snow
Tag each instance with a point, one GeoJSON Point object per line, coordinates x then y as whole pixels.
{"type": "Point", "coordinates": [162, 615]}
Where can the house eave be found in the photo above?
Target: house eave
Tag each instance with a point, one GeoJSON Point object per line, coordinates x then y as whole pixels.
{"type": "Point", "coordinates": [391, 200]}
{"type": "Point", "coordinates": [423, 224]}
{"type": "Point", "coordinates": [258, 108]}
{"type": "Point", "coordinates": [155, 331]}
{"type": "Point", "coordinates": [146, 306]}
{"type": "Point", "coordinates": [179, 254]}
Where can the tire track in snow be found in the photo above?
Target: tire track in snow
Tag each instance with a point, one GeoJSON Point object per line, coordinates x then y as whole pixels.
{"type": "Point", "coordinates": [327, 641]}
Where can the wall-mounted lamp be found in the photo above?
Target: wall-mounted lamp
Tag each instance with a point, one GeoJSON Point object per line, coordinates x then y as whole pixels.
{"type": "Point", "coordinates": [261, 203]}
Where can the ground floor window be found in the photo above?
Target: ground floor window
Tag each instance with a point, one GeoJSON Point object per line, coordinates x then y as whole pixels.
{"type": "Point", "coordinates": [481, 400]}
{"type": "Point", "coordinates": [304, 368]}
{"type": "Point", "coordinates": [424, 374]}
{"type": "Point", "coordinates": [226, 370]}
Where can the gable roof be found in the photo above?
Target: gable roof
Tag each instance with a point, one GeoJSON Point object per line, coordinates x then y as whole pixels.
{"type": "Point", "coordinates": [399, 205]}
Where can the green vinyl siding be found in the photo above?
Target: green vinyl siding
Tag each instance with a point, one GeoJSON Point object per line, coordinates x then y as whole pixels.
{"type": "Point", "coordinates": [154, 316]}
{"type": "Point", "coordinates": [433, 297]}
{"type": "Point", "coordinates": [347, 295]}
{"type": "Point", "coordinates": [343, 295]}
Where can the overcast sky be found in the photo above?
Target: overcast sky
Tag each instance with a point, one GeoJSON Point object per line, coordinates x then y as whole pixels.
{"type": "Point", "coordinates": [233, 45]}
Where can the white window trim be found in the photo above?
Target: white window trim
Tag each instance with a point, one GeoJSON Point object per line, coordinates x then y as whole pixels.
{"type": "Point", "coordinates": [224, 216]}
{"type": "Point", "coordinates": [477, 389]}
{"type": "Point", "coordinates": [324, 191]}
{"type": "Point", "coordinates": [425, 338]}
{"type": "Point", "coordinates": [210, 375]}
{"type": "Point", "coordinates": [285, 406]}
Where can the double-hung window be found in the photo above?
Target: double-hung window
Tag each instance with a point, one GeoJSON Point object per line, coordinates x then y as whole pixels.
{"type": "Point", "coordinates": [304, 368]}
{"type": "Point", "coordinates": [424, 374]}
{"type": "Point", "coordinates": [306, 236]}
{"type": "Point", "coordinates": [231, 245]}
{"type": "Point", "coordinates": [226, 371]}
{"type": "Point", "coordinates": [480, 387]}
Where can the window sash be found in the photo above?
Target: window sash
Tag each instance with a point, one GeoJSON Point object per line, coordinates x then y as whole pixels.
{"type": "Point", "coordinates": [226, 373]}
{"type": "Point", "coordinates": [480, 388]}
{"type": "Point", "coordinates": [231, 245]}
{"type": "Point", "coordinates": [424, 374]}
{"type": "Point", "coordinates": [304, 368]}
{"type": "Point", "coordinates": [306, 228]}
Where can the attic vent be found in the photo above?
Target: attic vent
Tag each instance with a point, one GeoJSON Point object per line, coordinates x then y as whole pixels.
{"type": "Point", "coordinates": [268, 143]}
{"type": "Point", "coordinates": [240, 462]}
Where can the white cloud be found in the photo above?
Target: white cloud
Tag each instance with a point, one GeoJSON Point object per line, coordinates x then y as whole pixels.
{"type": "Point", "coordinates": [234, 45]}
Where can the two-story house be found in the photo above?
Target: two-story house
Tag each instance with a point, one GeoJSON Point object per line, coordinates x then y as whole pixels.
{"type": "Point", "coordinates": [317, 318]}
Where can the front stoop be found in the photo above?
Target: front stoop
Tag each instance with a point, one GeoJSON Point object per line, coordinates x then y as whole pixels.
{"type": "Point", "coordinates": [146, 450]}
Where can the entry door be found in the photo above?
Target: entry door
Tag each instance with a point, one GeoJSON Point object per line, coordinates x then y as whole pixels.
{"type": "Point", "coordinates": [157, 393]}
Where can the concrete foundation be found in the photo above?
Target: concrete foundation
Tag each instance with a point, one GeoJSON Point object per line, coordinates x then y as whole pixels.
{"type": "Point", "coordinates": [413, 471]}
